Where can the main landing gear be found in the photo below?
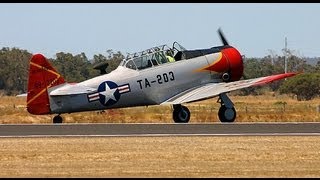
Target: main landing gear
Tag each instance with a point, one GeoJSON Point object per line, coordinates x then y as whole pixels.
{"type": "Point", "coordinates": [57, 119]}
{"type": "Point", "coordinates": [226, 113]}
{"type": "Point", "coordinates": [181, 114]}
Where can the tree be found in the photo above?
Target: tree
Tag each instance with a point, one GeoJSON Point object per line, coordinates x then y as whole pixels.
{"type": "Point", "coordinates": [304, 86]}
{"type": "Point", "coordinates": [73, 68]}
{"type": "Point", "coordinates": [14, 70]}
{"type": "Point", "coordinates": [113, 59]}
{"type": "Point", "coordinates": [252, 69]}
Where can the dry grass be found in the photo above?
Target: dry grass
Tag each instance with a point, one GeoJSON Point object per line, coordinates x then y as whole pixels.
{"type": "Point", "coordinates": [233, 156]}
{"type": "Point", "coordinates": [224, 156]}
{"type": "Point", "coordinates": [265, 108]}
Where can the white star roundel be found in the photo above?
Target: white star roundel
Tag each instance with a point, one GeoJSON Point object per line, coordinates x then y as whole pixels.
{"type": "Point", "coordinates": [108, 93]}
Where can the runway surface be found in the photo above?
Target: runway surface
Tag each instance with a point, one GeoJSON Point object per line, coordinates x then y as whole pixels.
{"type": "Point", "coordinates": [143, 129]}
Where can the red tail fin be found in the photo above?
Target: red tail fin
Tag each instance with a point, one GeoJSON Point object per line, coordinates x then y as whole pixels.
{"type": "Point", "coordinates": [41, 77]}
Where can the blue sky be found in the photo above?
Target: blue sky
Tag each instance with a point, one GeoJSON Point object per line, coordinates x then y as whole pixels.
{"type": "Point", "coordinates": [255, 29]}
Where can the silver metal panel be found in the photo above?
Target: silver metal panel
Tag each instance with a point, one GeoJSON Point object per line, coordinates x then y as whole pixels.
{"type": "Point", "coordinates": [149, 86]}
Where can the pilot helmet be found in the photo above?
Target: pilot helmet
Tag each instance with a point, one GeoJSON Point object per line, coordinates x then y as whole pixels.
{"type": "Point", "coordinates": [169, 52]}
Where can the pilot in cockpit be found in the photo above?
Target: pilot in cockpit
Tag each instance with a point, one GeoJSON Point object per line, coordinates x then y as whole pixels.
{"type": "Point", "coordinates": [169, 55]}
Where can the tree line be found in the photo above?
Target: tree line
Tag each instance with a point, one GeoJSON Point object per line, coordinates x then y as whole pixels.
{"type": "Point", "coordinates": [14, 63]}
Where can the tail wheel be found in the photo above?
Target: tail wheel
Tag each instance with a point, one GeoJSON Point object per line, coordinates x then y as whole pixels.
{"type": "Point", "coordinates": [57, 119]}
{"type": "Point", "coordinates": [181, 114]}
{"type": "Point", "coordinates": [227, 114]}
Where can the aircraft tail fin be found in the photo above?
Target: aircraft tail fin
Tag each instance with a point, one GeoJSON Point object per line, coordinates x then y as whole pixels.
{"type": "Point", "coordinates": [41, 77]}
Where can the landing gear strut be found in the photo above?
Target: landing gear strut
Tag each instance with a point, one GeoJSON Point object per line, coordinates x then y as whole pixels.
{"type": "Point", "coordinates": [57, 119]}
{"type": "Point", "coordinates": [226, 113]}
{"type": "Point", "coordinates": [181, 114]}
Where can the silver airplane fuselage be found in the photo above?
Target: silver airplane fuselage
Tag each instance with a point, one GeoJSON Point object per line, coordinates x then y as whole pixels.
{"type": "Point", "coordinates": [157, 76]}
{"type": "Point", "coordinates": [144, 87]}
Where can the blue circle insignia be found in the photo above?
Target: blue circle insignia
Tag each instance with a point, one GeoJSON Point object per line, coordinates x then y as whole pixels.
{"type": "Point", "coordinates": [108, 93]}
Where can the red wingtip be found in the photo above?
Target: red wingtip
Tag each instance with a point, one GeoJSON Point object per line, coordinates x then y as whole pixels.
{"type": "Point", "coordinates": [276, 77]}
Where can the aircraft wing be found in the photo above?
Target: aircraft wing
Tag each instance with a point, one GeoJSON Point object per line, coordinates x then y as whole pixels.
{"type": "Point", "coordinates": [214, 89]}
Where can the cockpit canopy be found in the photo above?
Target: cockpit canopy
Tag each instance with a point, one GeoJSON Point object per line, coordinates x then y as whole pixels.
{"type": "Point", "coordinates": [151, 57]}
{"type": "Point", "coordinates": [158, 55]}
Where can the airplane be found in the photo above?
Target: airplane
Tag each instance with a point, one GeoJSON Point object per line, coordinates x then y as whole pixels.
{"type": "Point", "coordinates": [147, 78]}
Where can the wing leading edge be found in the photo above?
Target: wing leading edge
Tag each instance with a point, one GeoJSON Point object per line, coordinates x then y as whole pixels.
{"type": "Point", "coordinates": [214, 89]}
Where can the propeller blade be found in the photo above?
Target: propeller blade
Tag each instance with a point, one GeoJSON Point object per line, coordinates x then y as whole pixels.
{"type": "Point", "coordinates": [223, 39]}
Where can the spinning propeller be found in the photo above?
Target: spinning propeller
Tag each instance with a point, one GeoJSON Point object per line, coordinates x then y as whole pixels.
{"type": "Point", "coordinates": [223, 39]}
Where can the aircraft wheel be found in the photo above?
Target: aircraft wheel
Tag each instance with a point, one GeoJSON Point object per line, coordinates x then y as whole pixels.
{"type": "Point", "coordinates": [57, 119]}
{"type": "Point", "coordinates": [227, 114]}
{"type": "Point", "coordinates": [181, 114]}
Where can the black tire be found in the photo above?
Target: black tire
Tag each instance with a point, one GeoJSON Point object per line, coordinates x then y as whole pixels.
{"type": "Point", "coordinates": [181, 114]}
{"type": "Point", "coordinates": [57, 119]}
{"type": "Point", "coordinates": [227, 114]}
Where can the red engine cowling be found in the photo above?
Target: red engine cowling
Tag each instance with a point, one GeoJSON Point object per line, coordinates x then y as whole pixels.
{"type": "Point", "coordinates": [229, 64]}
{"type": "Point", "coordinates": [235, 64]}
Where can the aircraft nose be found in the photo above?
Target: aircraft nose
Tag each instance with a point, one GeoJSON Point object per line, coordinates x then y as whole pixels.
{"type": "Point", "coordinates": [235, 63]}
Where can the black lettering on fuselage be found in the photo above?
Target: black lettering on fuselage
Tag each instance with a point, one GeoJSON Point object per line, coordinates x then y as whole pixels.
{"type": "Point", "coordinates": [139, 81]}
{"type": "Point", "coordinates": [165, 77]}
{"type": "Point", "coordinates": [171, 76]}
{"type": "Point", "coordinates": [161, 78]}
{"type": "Point", "coordinates": [146, 83]}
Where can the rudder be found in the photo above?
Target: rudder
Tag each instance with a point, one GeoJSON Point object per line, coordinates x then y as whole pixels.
{"type": "Point", "coordinates": [41, 77]}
